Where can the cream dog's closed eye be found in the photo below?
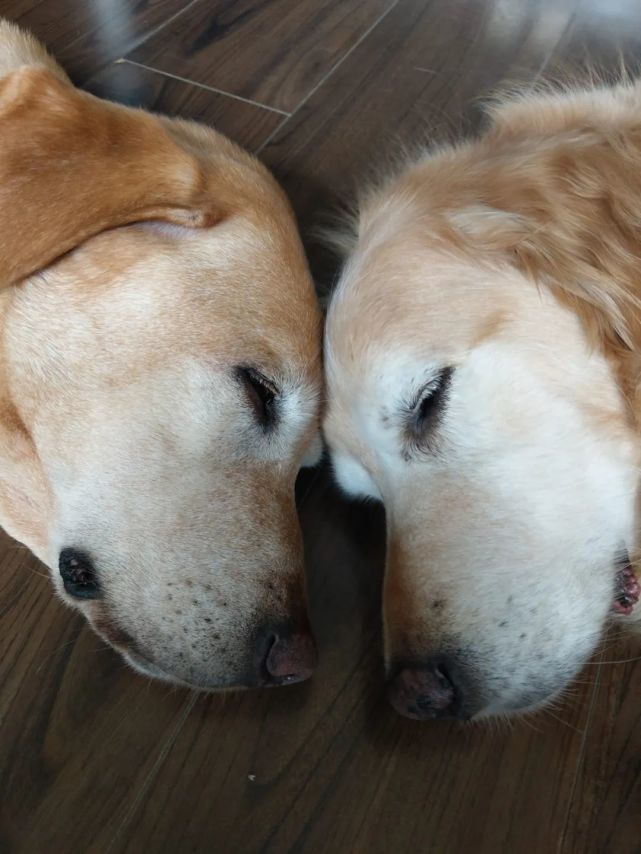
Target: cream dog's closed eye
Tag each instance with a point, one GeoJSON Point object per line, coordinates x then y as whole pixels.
{"type": "Point", "coordinates": [159, 382]}
{"type": "Point", "coordinates": [483, 369]}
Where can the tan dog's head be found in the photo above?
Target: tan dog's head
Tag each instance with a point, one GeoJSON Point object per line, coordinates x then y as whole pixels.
{"type": "Point", "coordinates": [159, 393]}
{"type": "Point", "coordinates": [482, 356]}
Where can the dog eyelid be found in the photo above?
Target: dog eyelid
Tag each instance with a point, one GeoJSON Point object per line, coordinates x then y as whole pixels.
{"type": "Point", "coordinates": [262, 394]}
{"type": "Point", "coordinates": [424, 412]}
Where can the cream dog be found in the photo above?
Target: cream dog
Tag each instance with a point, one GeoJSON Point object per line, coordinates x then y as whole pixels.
{"type": "Point", "coordinates": [159, 379]}
{"type": "Point", "coordinates": [483, 369]}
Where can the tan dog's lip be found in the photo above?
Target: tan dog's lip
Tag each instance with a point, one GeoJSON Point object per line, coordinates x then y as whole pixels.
{"type": "Point", "coordinates": [148, 668]}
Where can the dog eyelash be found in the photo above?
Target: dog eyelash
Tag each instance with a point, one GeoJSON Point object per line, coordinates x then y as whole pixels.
{"type": "Point", "coordinates": [262, 393]}
{"type": "Point", "coordinates": [425, 410]}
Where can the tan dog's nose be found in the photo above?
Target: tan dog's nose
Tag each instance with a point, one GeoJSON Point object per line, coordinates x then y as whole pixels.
{"type": "Point", "coordinates": [426, 691]}
{"type": "Point", "coordinates": [287, 653]}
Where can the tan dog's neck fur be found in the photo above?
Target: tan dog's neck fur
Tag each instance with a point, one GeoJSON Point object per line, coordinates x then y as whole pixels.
{"type": "Point", "coordinates": [554, 188]}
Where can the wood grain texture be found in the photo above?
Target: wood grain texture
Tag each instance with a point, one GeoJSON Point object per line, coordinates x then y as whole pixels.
{"type": "Point", "coordinates": [605, 812]}
{"type": "Point", "coordinates": [247, 124]}
{"type": "Point", "coordinates": [328, 766]}
{"type": "Point", "coordinates": [94, 758]}
{"type": "Point", "coordinates": [79, 732]}
{"type": "Point", "coordinates": [273, 52]}
{"type": "Point", "coordinates": [601, 39]}
{"type": "Point", "coordinates": [85, 36]}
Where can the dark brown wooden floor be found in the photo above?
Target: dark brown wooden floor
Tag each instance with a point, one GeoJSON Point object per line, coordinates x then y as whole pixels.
{"type": "Point", "coordinates": [95, 759]}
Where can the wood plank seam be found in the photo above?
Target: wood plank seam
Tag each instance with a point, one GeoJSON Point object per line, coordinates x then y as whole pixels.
{"type": "Point", "coordinates": [331, 71]}
{"type": "Point", "coordinates": [149, 35]}
{"type": "Point", "coordinates": [205, 86]}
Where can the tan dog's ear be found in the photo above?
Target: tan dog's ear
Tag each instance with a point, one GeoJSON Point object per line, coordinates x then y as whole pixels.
{"type": "Point", "coordinates": [72, 166]}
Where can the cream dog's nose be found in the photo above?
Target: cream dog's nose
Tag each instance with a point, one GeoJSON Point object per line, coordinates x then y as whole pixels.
{"type": "Point", "coordinates": [426, 691]}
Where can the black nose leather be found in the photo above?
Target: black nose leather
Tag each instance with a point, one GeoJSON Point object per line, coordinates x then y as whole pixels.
{"type": "Point", "coordinates": [426, 691]}
{"type": "Point", "coordinates": [78, 574]}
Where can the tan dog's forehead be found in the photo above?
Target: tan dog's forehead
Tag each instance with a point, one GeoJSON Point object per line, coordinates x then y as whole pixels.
{"type": "Point", "coordinates": [147, 296]}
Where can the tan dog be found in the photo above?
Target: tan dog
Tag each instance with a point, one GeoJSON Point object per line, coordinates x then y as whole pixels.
{"type": "Point", "coordinates": [159, 383]}
{"type": "Point", "coordinates": [483, 368]}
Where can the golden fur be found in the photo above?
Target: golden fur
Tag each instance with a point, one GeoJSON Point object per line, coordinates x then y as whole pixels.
{"type": "Point", "coordinates": [146, 265]}
{"type": "Point", "coordinates": [514, 258]}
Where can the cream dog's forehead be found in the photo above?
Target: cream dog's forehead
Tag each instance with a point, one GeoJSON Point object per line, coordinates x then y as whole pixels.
{"type": "Point", "coordinates": [382, 344]}
{"type": "Point", "coordinates": [434, 306]}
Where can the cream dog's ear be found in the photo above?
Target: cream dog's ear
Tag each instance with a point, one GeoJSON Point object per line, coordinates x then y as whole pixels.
{"type": "Point", "coordinates": [72, 166]}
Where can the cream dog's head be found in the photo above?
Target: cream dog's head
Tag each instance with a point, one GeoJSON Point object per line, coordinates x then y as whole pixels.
{"type": "Point", "coordinates": [482, 361]}
{"type": "Point", "coordinates": [159, 392]}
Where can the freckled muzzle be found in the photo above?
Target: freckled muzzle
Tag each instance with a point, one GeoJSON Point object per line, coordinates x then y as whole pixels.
{"type": "Point", "coordinates": [280, 654]}
{"type": "Point", "coordinates": [192, 633]}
